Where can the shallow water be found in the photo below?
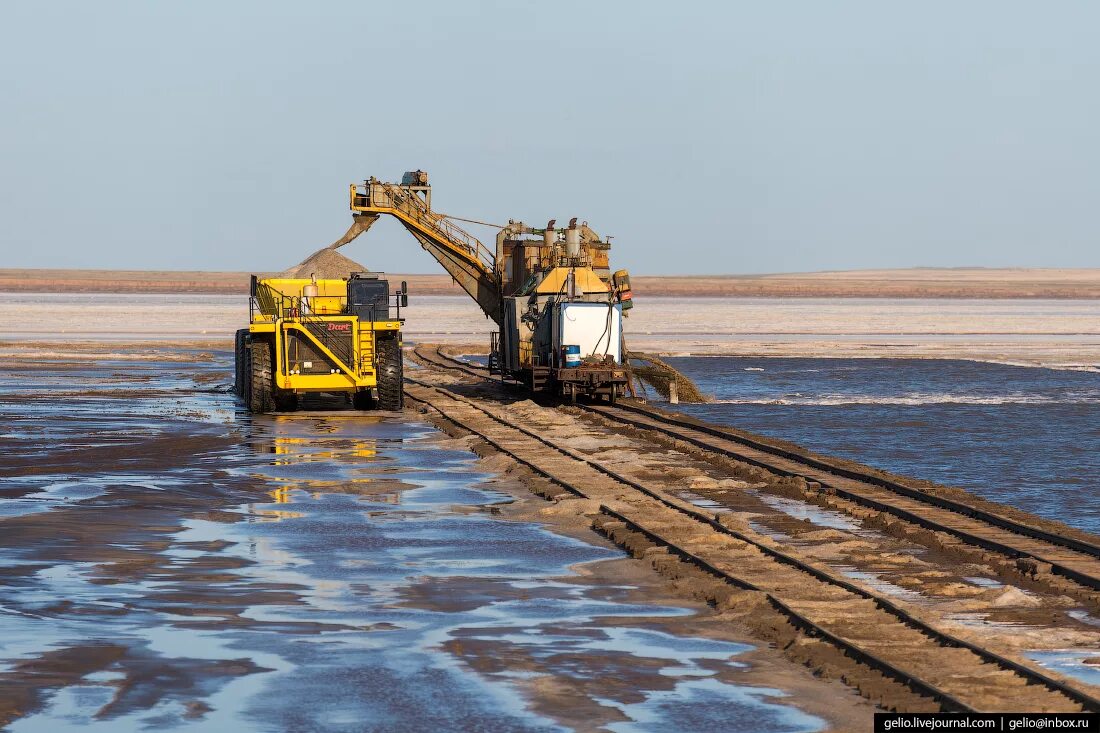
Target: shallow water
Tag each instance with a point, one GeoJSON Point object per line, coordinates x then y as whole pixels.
{"type": "Point", "coordinates": [1025, 436]}
{"type": "Point", "coordinates": [1070, 662]}
{"type": "Point", "coordinates": [354, 581]}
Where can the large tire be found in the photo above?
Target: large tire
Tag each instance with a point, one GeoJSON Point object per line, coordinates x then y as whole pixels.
{"type": "Point", "coordinates": [391, 376]}
{"type": "Point", "coordinates": [239, 347]}
{"type": "Point", "coordinates": [246, 375]}
{"type": "Point", "coordinates": [261, 396]}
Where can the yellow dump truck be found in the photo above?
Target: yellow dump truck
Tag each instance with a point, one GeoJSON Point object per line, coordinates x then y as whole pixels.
{"type": "Point", "coordinates": [341, 337]}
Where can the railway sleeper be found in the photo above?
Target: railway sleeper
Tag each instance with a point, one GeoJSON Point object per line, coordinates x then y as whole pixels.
{"type": "Point", "coordinates": [1026, 571]}
{"type": "Point", "coordinates": [672, 564]}
{"type": "Point", "coordinates": [799, 485]}
{"type": "Point", "coordinates": [765, 622]}
{"type": "Point", "coordinates": [899, 651]}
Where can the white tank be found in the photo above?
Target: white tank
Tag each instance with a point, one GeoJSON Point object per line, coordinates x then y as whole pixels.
{"type": "Point", "coordinates": [309, 292]}
{"type": "Point", "coordinates": [572, 242]}
{"type": "Point", "coordinates": [549, 238]}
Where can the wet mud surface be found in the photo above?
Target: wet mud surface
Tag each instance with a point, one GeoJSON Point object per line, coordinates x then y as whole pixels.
{"type": "Point", "coordinates": [169, 562]}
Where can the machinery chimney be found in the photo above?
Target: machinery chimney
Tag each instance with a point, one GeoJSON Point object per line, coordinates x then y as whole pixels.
{"type": "Point", "coordinates": [573, 240]}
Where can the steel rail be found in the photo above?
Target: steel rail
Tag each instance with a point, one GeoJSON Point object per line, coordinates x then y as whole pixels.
{"type": "Point", "coordinates": [1085, 548]}
{"type": "Point", "coordinates": [947, 701]}
{"type": "Point", "coordinates": [1082, 546]}
{"type": "Point", "coordinates": [943, 638]}
{"type": "Point", "coordinates": [1057, 567]}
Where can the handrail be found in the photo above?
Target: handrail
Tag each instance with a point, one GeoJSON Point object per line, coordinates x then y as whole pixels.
{"type": "Point", "coordinates": [289, 308]}
{"type": "Point", "coordinates": [413, 207]}
{"type": "Point", "coordinates": [337, 346]}
{"type": "Point", "coordinates": [283, 307]}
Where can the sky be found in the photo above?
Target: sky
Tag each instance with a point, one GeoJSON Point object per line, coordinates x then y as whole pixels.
{"type": "Point", "coordinates": [705, 137]}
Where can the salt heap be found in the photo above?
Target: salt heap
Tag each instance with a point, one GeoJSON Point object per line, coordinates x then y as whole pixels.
{"type": "Point", "coordinates": [328, 264]}
{"type": "Point", "coordinates": [324, 264]}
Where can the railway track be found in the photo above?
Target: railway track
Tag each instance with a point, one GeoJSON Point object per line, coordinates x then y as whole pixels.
{"type": "Point", "coordinates": [1072, 558]}
{"type": "Point", "coordinates": [869, 629]}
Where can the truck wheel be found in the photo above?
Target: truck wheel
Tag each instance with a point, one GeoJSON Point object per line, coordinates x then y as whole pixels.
{"type": "Point", "coordinates": [390, 375]}
{"type": "Point", "coordinates": [261, 396]}
{"type": "Point", "coordinates": [246, 376]}
{"type": "Point", "coordinates": [239, 360]}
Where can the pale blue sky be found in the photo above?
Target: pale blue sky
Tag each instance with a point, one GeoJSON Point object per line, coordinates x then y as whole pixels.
{"type": "Point", "coordinates": [724, 137]}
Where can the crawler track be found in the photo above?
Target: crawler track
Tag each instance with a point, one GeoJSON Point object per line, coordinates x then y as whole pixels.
{"type": "Point", "coordinates": [865, 627]}
{"type": "Point", "coordinates": [1075, 559]}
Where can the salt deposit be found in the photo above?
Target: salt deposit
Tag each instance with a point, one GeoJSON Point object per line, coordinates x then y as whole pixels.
{"type": "Point", "coordinates": [325, 263]}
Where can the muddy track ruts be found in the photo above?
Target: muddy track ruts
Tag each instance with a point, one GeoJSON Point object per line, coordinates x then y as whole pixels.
{"type": "Point", "coordinates": [1036, 550]}
{"type": "Point", "coordinates": [868, 630]}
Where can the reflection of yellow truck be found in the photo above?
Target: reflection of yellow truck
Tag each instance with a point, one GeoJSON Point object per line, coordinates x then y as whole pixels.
{"type": "Point", "coordinates": [310, 336]}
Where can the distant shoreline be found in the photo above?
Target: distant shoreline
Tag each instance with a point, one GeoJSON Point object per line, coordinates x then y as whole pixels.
{"type": "Point", "coordinates": [1060, 284]}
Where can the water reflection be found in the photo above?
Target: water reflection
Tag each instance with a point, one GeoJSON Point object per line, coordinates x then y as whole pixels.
{"type": "Point", "coordinates": [354, 589]}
